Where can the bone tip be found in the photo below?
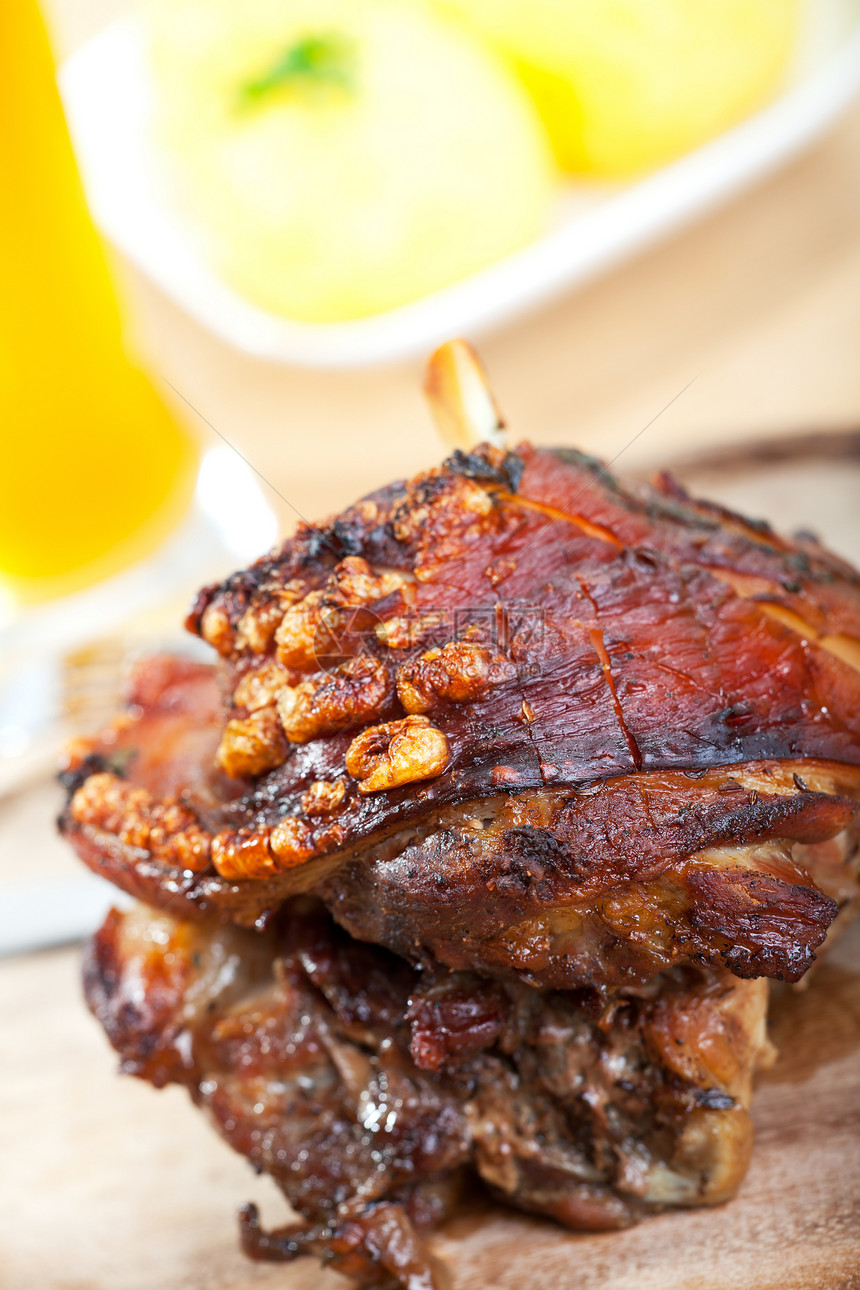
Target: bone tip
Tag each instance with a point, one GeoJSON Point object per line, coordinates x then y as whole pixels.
{"type": "Point", "coordinates": [460, 398]}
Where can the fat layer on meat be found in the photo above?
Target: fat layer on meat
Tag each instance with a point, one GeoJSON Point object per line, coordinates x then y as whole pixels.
{"type": "Point", "coordinates": [742, 867]}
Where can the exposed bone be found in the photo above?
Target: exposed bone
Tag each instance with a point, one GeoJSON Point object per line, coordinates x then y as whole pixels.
{"type": "Point", "coordinates": [460, 398]}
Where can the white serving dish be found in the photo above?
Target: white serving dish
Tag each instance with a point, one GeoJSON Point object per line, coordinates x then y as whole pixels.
{"type": "Point", "coordinates": [106, 94]}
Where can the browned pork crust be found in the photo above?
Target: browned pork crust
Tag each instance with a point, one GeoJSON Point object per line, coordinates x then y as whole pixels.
{"type": "Point", "coordinates": [572, 765]}
{"type": "Point", "coordinates": [535, 691]}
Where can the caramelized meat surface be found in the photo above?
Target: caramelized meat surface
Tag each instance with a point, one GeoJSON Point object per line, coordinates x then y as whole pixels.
{"type": "Point", "coordinates": [510, 717]}
{"type": "Point", "coordinates": [375, 1095]}
{"type": "Point", "coordinates": [466, 862]}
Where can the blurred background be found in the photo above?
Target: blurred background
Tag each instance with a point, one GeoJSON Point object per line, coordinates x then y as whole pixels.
{"type": "Point", "coordinates": [758, 301]}
{"type": "Point", "coordinates": [233, 236]}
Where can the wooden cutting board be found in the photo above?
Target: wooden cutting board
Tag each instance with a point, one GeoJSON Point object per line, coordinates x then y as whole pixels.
{"type": "Point", "coordinates": [107, 1185]}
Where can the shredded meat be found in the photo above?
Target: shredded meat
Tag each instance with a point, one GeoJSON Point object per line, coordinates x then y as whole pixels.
{"type": "Point", "coordinates": [375, 1095]}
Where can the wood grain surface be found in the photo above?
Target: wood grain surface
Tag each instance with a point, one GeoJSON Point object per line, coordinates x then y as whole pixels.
{"type": "Point", "coordinates": [109, 1185]}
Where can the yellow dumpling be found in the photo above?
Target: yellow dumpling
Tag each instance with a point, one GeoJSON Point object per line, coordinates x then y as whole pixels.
{"type": "Point", "coordinates": [342, 157]}
{"type": "Point", "coordinates": [624, 85]}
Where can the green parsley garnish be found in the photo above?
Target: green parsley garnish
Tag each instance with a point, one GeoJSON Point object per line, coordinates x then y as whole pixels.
{"type": "Point", "coordinates": [311, 61]}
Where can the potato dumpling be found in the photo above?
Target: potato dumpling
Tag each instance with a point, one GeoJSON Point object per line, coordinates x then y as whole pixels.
{"type": "Point", "coordinates": [343, 157]}
{"type": "Point", "coordinates": [624, 85]}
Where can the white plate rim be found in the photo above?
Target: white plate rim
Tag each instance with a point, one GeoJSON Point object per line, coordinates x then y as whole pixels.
{"type": "Point", "coordinates": [585, 245]}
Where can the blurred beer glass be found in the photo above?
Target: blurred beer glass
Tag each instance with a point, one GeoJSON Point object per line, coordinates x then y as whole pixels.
{"type": "Point", "coordinates": [106, 510]}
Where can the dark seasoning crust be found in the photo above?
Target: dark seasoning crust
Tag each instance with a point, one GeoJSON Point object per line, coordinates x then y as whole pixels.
{"type": "Point", "coordinates": [524, 728]}
{"type": "Point", "coordinates": [671, 642]}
